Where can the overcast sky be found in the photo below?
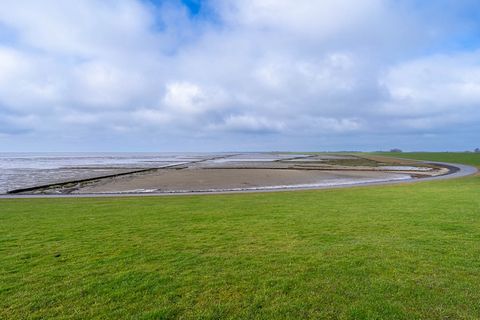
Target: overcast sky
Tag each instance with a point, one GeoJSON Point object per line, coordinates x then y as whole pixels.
{"type": "Point", "coordinates": [239, 75]}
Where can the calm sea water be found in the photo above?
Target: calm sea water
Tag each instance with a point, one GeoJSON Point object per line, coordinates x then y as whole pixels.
{"type": "Point", "coordinates": [20, 170]}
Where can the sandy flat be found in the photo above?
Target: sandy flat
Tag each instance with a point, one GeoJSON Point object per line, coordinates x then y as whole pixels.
{"type": "Point", "coordinates": [169, 180]}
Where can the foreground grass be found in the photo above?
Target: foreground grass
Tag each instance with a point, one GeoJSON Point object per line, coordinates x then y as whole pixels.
{"type": "Point", "coordinates": [399, 252]}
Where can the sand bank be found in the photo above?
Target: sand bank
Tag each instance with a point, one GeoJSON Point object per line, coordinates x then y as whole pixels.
{"type": "Point", "coordinates": [233, 179]}
{"type": "Point", "coordinates": [238, 172]}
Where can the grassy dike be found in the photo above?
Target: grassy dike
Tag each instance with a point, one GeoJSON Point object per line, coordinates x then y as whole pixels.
{"type": "Point", "coordinates": [407, 251]}
{"type": "Point", "coordinates": [453, 157]}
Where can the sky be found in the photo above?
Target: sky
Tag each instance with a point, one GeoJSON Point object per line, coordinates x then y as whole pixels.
{"type": "Point", "coordinates": [239, 75]}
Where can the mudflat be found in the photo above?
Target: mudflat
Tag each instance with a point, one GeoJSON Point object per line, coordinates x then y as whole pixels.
{"type": "Point", "coordinates": [247, 171]}
{"type": "Point", "coordinates": [196, 179]}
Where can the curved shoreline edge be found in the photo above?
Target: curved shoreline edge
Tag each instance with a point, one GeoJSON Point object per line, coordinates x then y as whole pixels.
{"type": "Point", "coordinates": [455, 171]}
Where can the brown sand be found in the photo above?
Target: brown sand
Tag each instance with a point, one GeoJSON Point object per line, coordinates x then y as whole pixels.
{"type": "Point", "coordinates": [196, 179]}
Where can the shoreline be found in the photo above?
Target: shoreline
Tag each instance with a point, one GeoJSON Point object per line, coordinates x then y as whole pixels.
{"type": "Point", "coordinates": [454, 171]}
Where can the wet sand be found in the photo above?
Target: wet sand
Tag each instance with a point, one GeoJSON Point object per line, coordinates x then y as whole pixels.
{"type": "Point", "coordinates": [248, 172]}
{"type": "Point", "coordinates": [188, 180]}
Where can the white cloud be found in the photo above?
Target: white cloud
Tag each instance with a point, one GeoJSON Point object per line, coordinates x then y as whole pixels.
{"type": "Point", "coordinates": [190, 99]}
{"type": "Point", "coordinates": [26, 81]}
{"type": "Point", "coordinates": [434, 92]}
{"type": "Point", "coordinates": [152, 116]}
{"type": "Point", "coordinates": [76, 118]}
{"type": "Point", "coordinates": [103, 85]}
{"type": "Point", "coordinates": [81, 28]}
{"type": "Point", "coordinates": [302, 17]}
{"type": "Point", "coordinates": [296, 69]}
{"type": "Point", "coordinates": [249, 124]}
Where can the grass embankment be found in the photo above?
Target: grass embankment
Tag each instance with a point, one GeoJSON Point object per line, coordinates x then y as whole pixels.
{"type": "Point", "coordinates": [453, 157]}
{"type": "Point", "coordinates": [399, 252]}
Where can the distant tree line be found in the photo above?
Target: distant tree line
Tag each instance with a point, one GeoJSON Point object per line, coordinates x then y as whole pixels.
{"type": "Point", "coordinates": [476, 150]}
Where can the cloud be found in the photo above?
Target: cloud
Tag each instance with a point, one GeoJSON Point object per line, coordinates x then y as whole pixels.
{"type": "Point", "coordinates": [249, 124]}
{"type": "Point", "coordinates": [304, 20]}
{"type": "Point", "coordinates": [190, 99]}
{"type": "Point", "coordinates": [82, 29]}
{"type": "Point", "coordinates": [301, 71]}
{"type": "Point", "coordinates": [435, 92]}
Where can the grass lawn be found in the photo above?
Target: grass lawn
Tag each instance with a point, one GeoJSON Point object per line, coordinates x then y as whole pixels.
{"type": "Point", "coordinates": [399, 252]}
{"type": "Point", "coordinates": [453, 157]}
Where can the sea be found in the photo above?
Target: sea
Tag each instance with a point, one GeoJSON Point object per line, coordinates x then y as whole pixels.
{"type": "Point", "coordinates": [24, 170]}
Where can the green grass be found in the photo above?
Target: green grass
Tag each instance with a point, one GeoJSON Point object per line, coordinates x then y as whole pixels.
{"type": "Point", "coordinates": [458, 157]}
{"type": "Point", "coordinates": [398, 252]}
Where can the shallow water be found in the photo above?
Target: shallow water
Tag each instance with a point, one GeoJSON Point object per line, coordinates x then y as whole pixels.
{"type": "Point", "coordinates": [23, 170]}
{"type": "Point", "coordinates": [405, 168]}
